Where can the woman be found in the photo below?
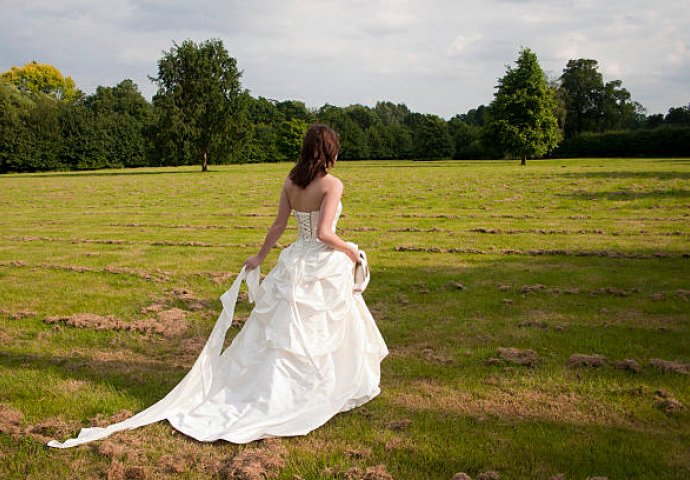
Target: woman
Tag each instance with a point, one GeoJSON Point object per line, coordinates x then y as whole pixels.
{"type": "Point", "coordinates": [310, 348]}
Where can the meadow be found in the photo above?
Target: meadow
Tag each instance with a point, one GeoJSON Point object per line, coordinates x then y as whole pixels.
{"type": "Point", "coordinates": [537, 318]}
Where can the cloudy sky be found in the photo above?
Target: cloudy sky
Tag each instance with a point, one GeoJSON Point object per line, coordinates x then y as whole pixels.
{"type": "Point", "coordinates": [436, 56]}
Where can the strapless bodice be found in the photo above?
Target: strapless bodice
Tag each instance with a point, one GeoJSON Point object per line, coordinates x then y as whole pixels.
{"type": "Point", "coordinates": [308, 223]}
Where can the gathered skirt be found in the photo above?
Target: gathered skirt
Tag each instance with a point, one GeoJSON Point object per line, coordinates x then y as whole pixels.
{"type": "Point", "coordinates": [309, 350]}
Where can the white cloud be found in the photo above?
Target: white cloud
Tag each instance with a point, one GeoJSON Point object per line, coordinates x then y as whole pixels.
{"type": "Point", "coordinates": [437, 56]}
{"type": "Point", "coordinates": [460, 43]}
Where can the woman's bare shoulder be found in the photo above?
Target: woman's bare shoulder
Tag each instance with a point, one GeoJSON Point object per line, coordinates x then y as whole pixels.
{"type": "Point", "coordinates": [332, 181]}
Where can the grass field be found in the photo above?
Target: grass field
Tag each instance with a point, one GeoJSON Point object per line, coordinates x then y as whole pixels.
{"type": "Point", "coordinates": [469, 260]}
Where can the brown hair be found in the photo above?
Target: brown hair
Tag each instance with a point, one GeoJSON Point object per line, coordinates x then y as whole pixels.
{"type": "Point", "coordinates": [320, 148]}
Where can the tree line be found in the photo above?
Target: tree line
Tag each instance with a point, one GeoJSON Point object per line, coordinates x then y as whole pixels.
{"type": "Point", "coordinates": [201, 114]}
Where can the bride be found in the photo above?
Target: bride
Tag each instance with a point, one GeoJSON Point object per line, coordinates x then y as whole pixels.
{"type": "Point", "coordinates": [310, 348]}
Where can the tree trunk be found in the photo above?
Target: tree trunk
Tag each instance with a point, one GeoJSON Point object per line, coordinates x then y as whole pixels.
{"type": "Point", "coordinates": [523, 161]}
{"type": "Point", "coordinates": [204, 164]}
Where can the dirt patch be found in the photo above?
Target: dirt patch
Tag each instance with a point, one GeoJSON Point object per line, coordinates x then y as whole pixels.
{"type": "Point", "coordinates": [377, 472]}
{"type": "Point", "coordinates": [628, 364]}
{"type": "Point", "coordinates": [259, 463]}
{"type": "Point", "coordinates": [681, 293]}
{"type": "Point", "coordinates": [667, 402]}
{"type": "Point", "coordinates": [219, 278]}
{"type": "Point", "coordinates": [17, 314]}
{"type": "Point", "coordinates": [516, 356]}
{"type": "Point", "coordinates": [189, 298]}
{"type": "Point", "coordinates": [667, 366]}
{"type": "Point", "coordinates": [358, 453]}
{"type": "Point", "coordinates": [101, 420]}
{"type": "Point", "coordinates": [169, 323]}
{"type": "Point", "coordinates": [402, 424]}
{"type": "Point", "coordinates": [431, 355]}
{"type": "Point", "coordinates": [539, 252]}
{"type": "Point", "coordinates": [490, 475]}
{"type": "Point", "coordinates": [617, 292]}
{"type": "Point", "coordinates": [89, 320]}
{"type": "Point", "coordinates": [153, 308]}
{"type": "Point", "coordinates": [155, 276]}
{"type": "Point", "coordinates": [416, 229]}
{"type": "Point", "coordinates": [119, 471]}
{"type": "Point", "coordinates": [531, 288]}
{"type": "Point", "coordinates": [461, 476]}
{"type": "Point", "coordinates": [171, 464]}
{"type": "Point", "coordinates": [10, 421]}
{"type": "Point", "coordinates": [534, 323]}
{"type": "Point", "coordinates": [577, 360]}
{"type": "Point", "coordinates": [392, 444]}
{"type": "Point", "coordinates": [48, 429]}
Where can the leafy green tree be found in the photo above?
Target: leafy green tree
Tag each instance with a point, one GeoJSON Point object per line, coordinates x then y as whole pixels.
{"type": "Point", "coordinates": [465, 137]}
{"type": "Point", "coordinates": [521, 116]}
{"type": "Point", "coordinates": [583, 91]}
{"type": "Point", "coordinates": [390, 113]}
{"type": "Point", "coordinates": [430, 137]}
{"type": "Point", "coordinates": [654, 121]}
{"type": "Point", "coordinates": [592, 105]}
{"type": "Point", "coordinates": [30, 137]}
{"type": "Point", "coordinates": [363, 116]}
{"type": "Point", "coordinates": [42, 78]}
{"type": "Point", "coordinates": [291, 109]}
{"type": "Point", "coordinates": [262, 144]}
{"type": "Point", "coordinates": [290, 137]}
{"type": "Point", "coordinates": [402, 140]}
{"type": "Point", "coordinates": [126, 119]}
{"type": "Point", "coordinates": [678, 116]}
{"type": "Point", "coordinates": [353, 140]}
{"type": "Point", "coordinates": [474, 116]}
{"type": "Point", "coordinates": [201, 104]}
{"type": "Point", "coordinates": [380, 141]}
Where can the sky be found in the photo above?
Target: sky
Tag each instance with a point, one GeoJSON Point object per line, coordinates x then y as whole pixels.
{"type": "Point", "coordinates": [436, 56]}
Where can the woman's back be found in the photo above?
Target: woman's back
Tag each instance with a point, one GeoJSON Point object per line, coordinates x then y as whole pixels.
{"type": "Point", "coordinates": [309, 199]}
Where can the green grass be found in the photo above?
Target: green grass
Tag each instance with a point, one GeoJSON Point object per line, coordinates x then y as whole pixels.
{"type": "Point", "coordinates": [612, 232]}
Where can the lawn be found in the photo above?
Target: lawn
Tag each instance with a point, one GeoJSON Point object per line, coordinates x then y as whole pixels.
{"type": "Point", "coordinates": [537, 318]}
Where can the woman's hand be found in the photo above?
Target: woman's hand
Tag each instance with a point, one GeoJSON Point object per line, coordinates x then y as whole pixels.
{"type": "Point", "coordinates": [253, 262]}
{"type": "Point", "coordinates": [353, 253]}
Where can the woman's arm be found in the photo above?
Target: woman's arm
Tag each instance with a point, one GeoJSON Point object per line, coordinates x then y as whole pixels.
{"type": "Point", "coordinates": [329, 205]}
{"type": "Point", "coordinates": [274, 233]}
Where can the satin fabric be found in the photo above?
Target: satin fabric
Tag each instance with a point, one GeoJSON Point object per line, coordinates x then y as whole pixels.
{"type": "Point", "coordinates": [309, 350]}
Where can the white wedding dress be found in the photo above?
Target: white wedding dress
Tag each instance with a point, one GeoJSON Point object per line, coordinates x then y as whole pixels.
{"type": "Point", "coordinates": [309, 350]}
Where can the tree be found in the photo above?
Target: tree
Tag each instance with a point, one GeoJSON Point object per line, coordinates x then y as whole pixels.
{"type": "Point", "coordinates": [430, 137]}
{"type": "Point", "coordinates": [127, 120]}
{"type": "Point", "coordinates": [583, 90]}
{"type": "Point", "coordinates": [521, 116]}
{"type": "Point", "coordinates": [592, 105]}
{"type": "Point", "coordinates": [465, 136]}
{"type": "Point", "coordinates": [42, 78]}
{"type": "Point", "coordinates": [290, 139]}
{"type": "Point", "coordinates": [390, 113]}
{"type": "Point", "coordinates": [678, 116]}
{"type": "Point", "coordinates": [353, 140]}
{"type": "Point", "coordinates": [201, 103]}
